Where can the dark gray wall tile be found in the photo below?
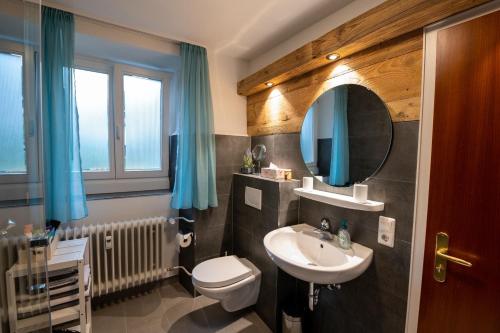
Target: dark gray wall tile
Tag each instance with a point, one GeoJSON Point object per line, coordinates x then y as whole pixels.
{"type": "Point", "coordinates": [284, 151]}
{"type": "Point", "coordinates": [243, 242]}
{"type": "Point", "coordinates": [224, 179]}
{"type": "Point", "coordinates": [401, 163]}
{"type": "Point", "coordinates": [250, 227]}
{"type": "Point", "coordinates": [229, 149]}
{"type": "Point", "coordinates": [213, 242]}
{"type": "Point", "coordinates": [268, 141]}
{"type": "Point", "coordinates": [398, 198]}
{"type": "Point", "coordinates": [370, 132]}
{"type": "Point", "coordinates": [213, 226]}
{"type": "Point", "coordinates": [288, 154]}
{"type": "Point", "coordinates": [288, 199]}
{"type": "Point", "coordinates": [214, 216]}
{"type": "Point", "coordinates": [376, 301]}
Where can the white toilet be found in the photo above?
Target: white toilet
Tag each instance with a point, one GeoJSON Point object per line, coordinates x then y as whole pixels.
{"type": "Point", "coordinates": [232, 280]}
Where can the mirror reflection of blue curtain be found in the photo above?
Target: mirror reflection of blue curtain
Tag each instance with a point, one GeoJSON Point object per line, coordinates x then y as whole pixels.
{"type": "Point", "coordinates": [64, 191]}
{"type": "Point", "coordinates": [307, 136]}
{"type": "Point", "coordinates": [339, 162]}
{"type": "Point", "coordinates": [195, 173]}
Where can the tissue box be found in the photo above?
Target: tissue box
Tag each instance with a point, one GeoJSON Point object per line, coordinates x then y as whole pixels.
{"type": "Point", "coordinates": [273, 173]}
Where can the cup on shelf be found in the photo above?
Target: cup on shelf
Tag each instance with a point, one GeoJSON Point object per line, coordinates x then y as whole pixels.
{"type": "Point", "coordinates": [307, 183]}
{"type": "Point", "coordinates": [360, 193]}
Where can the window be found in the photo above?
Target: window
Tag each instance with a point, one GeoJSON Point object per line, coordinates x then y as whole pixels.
{"type": "Point", "coordinates": [92, 100]}
{"type": "Point", "coordinates": [122, 113]}
{"type": "Point", "coordinates": [19, 161]}
{"type": "Point", "coordinates": [12, 139]}
{"type": "Point", "coordinates": [143, 129]}
{"type": "Point", "coordinates": [123, 128]}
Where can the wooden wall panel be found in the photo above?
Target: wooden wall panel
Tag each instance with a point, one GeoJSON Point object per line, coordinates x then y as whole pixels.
{"type": "Point", "coordinates": [382, 23]}
{"type": "Point", "coordinates": [392, 70]}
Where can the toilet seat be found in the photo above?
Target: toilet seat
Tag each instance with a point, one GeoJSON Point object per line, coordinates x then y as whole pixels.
{"type": "Point", "coordinates": [233, 281]}
{"type": "Point", "coordinates": [220, 272]}
{"type": "Point", "coordinates": [226, 289]}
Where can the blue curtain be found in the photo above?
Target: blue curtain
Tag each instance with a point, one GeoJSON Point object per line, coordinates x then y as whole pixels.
{"type": "Point", "coordinates": [195, 172]}
{"type": "Point", "coordinates": [308, 136]}
{"type": "Point", "coordinates": [64, 191]}
{"type": "Point", "coordinates": [339, 162]}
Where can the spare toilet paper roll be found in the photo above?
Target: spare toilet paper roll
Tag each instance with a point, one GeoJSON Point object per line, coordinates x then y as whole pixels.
{"type": "Point", "coordinates": [360, 193]}
{"type": "Point", "coordinates": [184, 240]}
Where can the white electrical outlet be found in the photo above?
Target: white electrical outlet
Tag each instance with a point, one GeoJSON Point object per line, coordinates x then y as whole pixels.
{"type": "Point", "coordinates": [386, 231]}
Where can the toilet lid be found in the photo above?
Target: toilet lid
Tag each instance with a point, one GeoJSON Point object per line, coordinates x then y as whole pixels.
{"type": "Point", "coordinates": [220, 272]}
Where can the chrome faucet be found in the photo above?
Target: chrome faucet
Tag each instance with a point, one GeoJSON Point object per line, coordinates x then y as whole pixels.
{"type": "Point", "coordinates": [324, 229]}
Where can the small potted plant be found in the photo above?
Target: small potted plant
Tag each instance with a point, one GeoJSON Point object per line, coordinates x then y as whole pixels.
{"type": "Point", "coordinates": [247, 167]}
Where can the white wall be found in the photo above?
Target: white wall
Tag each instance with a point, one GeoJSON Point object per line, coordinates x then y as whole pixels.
{"type": "Point", "coordinates": [316, 30]}
{"type": "Point", "coordinates": [107, 210]}
{"type": "Point", "coordinates": [101, 40]}
{"type": "Point", "coordinates": [230, 109]}
{"type": "Point", "coordinates": [101, 211]}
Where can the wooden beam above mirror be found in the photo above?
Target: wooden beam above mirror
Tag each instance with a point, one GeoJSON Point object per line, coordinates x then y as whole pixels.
{"type": "Point", "coordinates": [391, 19]}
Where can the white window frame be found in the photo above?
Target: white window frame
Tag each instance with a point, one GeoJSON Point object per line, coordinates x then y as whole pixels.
{"type": "Point", "coordinates": [120, 72]}
{"type": "Point", "coordinates": [104, 68]}
{"type": "Point", "coordinates": [31, 122]}
{"type": "Point", "coordinates": [118, 180]}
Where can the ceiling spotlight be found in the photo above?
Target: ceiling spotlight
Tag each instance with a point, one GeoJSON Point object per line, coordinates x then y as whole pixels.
{"type": "Point", "coordinates": [332, 57]}
{"type": "Point", "coordinates": [269, 84]}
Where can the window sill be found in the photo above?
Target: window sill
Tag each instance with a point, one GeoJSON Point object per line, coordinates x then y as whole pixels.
{"type": "Point", "coordinates": [116, 186]}
{"type": "Point", "coordinates": [90, 197]}
{"type": "Point", "coordinates": [15, 195]}
{"type": "Point", "coordinates": [107, 196]}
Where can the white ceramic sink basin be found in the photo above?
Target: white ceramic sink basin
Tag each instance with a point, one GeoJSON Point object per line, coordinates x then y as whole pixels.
{"type": "Point", "coordinates": [300, 251]}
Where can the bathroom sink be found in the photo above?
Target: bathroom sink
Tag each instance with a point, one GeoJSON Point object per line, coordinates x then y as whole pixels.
{"type": "Point", "coordinates": [300, 251]}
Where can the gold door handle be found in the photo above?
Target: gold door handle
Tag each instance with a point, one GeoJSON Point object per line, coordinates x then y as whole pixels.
{"type": "Point", "coordinates": [442, 253]}
{"type": "Point", "coordinates": [442, 257]}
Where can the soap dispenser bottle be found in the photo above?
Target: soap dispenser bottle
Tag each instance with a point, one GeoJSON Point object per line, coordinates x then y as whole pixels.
{"type": "Point", "coordinates": [344, 237]}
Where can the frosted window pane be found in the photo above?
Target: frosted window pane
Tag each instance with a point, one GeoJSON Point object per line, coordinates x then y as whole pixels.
{"type": "Point", "coordinates": [142, 99]}
{"type": "Point", "coordinates": [12, 147]}
{"type": "Point", "coordinates": [92, 102]}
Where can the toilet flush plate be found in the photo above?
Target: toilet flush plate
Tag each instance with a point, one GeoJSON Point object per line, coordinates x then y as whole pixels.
{"type": "Point", "coordinates": [253, 197]}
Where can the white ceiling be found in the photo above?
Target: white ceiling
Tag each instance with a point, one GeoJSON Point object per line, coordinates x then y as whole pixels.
{"type": "Point", "coordinates": [240, 28]}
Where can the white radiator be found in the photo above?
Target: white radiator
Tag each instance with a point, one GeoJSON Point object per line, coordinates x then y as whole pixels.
{"type": "Point", "coordinates": [123, 254]}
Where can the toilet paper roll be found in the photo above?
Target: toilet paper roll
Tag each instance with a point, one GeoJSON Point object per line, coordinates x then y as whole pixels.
{"type": "Point", "coordinates": [184, 240]}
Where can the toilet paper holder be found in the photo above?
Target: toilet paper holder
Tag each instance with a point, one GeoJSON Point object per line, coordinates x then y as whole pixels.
{"type": "Point", "coordinates": [185, 239]}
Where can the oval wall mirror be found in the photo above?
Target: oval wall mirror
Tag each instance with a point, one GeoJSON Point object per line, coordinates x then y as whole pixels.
{"type": "Point", "coordinates": [346, 135]}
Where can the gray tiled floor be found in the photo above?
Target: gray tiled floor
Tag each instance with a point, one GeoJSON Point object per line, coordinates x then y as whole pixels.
{"type": "Point", "coordinates": [169, 308]}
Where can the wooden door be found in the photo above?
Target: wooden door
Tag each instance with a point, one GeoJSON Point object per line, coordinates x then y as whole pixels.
{"type": "Point", "coordinates": [464, 191]}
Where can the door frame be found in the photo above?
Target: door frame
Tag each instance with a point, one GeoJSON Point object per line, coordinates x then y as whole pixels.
{"type": "Point", "coordinates": [424, 155]}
